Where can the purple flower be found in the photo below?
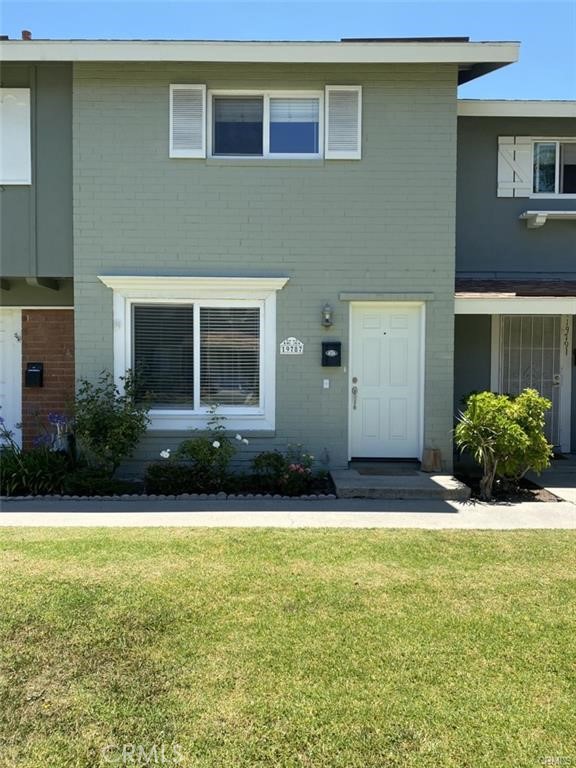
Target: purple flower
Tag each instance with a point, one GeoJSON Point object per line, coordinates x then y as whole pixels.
{"type": "Point", "coordinates": [41, 440]}
{"type": "Point", "coordinates": [56, 419]}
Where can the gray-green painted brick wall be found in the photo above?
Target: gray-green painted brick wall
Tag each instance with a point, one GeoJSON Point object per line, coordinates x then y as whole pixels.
{"type": "Point", "coordinates": [385, 223]}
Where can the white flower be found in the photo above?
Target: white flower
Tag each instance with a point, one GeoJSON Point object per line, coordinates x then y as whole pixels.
{"type": "Point", "coordinates": [238, 436]}
{"type": "Point", "coordinates": [165, 454]}
{"type": "Point", "coordinates": [215, 444]}
{"type": "Point", "coordinates": [245, 441]}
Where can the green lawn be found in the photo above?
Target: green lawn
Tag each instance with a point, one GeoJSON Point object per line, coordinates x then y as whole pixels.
{"type": "Point", "coordinates": [319, 649]}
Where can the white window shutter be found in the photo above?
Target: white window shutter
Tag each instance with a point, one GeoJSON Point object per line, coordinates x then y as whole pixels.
{"type": "Point", "coordinates": [343, 121]}
{"type": "Point", "coordinates": [514, 166]}
{"type": "Point", "coordinates": [15, 137]}
{"type": "Point", "coordinates": [187, 121]}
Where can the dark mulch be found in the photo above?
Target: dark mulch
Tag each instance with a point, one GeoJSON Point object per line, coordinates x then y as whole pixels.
{"type": "Point", "coordinates": [526, 491]}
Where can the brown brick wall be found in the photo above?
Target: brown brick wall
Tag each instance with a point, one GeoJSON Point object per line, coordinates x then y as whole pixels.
{"type": "Point", "coordinates": [47, 337]}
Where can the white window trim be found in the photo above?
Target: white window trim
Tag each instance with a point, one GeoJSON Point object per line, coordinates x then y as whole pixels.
{"type": "Point", "coordinates": [551, 140]}
{"type": "Point", "coordinates": [201, 291]}
{"type": "Point", "coordinates": [267, 95]}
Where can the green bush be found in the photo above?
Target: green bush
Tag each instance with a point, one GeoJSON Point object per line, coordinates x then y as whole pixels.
{"type": "Point", "coordinates": [505, 436]}
{"type": "Point", "coordinates": [87, 481]}
{"type": "Point", "coordinates": [209, 458]}
{"type": "Point", "coordinates": [36, 472]}
{"type": "Point", "coordinates": [170, 477]}
{"type": "Point", "coordinates": [109, 423]}
{"type": "Point", "coordinates": [289, 473]}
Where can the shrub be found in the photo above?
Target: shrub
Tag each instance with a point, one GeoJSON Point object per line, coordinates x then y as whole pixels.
{"type": "Point", "coordinates": [505, 436]}
{"type": "Point", "coordinates": [38, 471]}
{"type": "Point", "coordinates": [288, 473]}
{"type": "Point", "coordinates": [108, 423]}
{"type": "Point", "coordinates": [87, 481]}
{"type": "Point", "coordinates": [170, 477]}
{"type": "Point", "coordinates": [200, 464]}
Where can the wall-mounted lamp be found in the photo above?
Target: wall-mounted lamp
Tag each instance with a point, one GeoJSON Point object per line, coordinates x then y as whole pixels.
{"type": "Point", "coordinates": [327, 321]}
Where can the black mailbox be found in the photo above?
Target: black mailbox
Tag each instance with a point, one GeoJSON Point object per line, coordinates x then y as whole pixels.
{"type": "Point", "coordinates": [34, 375]}
{"type": "Point", "coordinates": [331, 354]}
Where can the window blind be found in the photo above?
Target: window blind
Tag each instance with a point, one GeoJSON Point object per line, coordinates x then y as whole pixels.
{"type": "Point", "coordinates": [230, 356]}
{"type": "Point", "coordinates": [286, 110]}
{"type": "Point", "coordinates": [163, 355]}
{"type": "Point", "coordinates": [243, 109]}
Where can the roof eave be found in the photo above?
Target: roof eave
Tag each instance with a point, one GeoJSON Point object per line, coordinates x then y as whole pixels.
{"type": "Point", "coordinates": [474, 59]}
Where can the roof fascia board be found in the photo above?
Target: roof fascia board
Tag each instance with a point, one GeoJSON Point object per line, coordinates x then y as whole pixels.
{"type": "Point", "coordinates": [499, 53]}
{"type": "Point", "coordinates": [502, 108]}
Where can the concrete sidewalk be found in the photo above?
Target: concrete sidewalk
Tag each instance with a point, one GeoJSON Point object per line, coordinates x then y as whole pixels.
{"type": "Point", "coordinates": [284, 513]}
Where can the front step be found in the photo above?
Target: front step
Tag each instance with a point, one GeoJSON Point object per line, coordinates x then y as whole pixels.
{"type": "Point", "coordinates": [350, 484]}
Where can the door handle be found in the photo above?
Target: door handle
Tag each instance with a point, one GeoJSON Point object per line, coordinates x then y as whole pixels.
{"type": "Point", "coordinates": [354, 396]}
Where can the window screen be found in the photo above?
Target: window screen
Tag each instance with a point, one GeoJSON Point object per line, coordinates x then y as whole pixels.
{"type": "Point", "coordinates": [163, 355]}
{"type": "Point", "coordinates": [229, 356]}
{"type": "Point", "coordinates": [238, 125]}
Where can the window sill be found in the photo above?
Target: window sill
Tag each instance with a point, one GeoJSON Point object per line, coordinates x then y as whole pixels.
{"type": "Point", "coordinates": [552, 196]}
{"type": "Point", "coordinates": [181, 422]}
{"type": "Point", "coordinates": [250, 434]}
{"type": "Point", "coordinates": [312, 162]}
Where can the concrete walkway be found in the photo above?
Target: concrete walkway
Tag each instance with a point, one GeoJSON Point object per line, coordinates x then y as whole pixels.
{"type": "Point", "coordinates": [559, 478]}
{"type": "Point", "coordinates": [281, 513]}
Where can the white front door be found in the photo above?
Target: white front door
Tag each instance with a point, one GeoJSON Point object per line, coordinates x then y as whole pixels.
{"type": "Point", "coordinates": [385, 380]}
{"type": "Point", "coordinates": [11, 369]}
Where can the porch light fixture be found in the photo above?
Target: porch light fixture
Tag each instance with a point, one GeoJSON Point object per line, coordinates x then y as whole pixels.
{"type": "Point", "coordinates": [327, 321]}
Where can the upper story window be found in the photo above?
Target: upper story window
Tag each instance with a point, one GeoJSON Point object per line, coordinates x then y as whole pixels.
{"type": "Point", "coordinates": [15, 137]}
{"type": "Point", "coordinates": [266, 124]}
{"type": "Point", "coordinates": [536, 166]}
{"type": "Point", "coordinates": [555, 167]}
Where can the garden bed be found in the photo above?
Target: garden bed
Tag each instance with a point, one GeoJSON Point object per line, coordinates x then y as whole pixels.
{"type": "Point", "coordinates": [526, 491]}
{"type": "Point", "coordinates": [236, 487]}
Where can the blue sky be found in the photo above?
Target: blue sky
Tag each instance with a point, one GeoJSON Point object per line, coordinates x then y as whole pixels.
{"type": "Point", "coordinates": [547, 30]}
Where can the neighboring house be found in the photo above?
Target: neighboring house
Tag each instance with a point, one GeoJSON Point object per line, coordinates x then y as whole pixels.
{"type": "Point", "coordinates": [225, 209]}
{"type": "Point", "coordinates": [516, 254]}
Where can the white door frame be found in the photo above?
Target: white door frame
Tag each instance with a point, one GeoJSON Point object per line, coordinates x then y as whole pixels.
{"type": "Point", "coordinates": [11, 363]}
{"type": "Point", "coordinates": [421, 364]}
{"type": "Point", "coordinates": [565, 409]}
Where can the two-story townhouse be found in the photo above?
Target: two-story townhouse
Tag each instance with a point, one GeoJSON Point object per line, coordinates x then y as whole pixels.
{"type": "Point", "coordinates": [264, 227]}
{"type": "Point", "coordinates": [516, 254]}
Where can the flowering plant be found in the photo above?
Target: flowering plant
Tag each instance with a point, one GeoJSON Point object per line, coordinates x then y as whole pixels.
{"type": "Point", "coordinates": [36, 471]}
{"type": "Point", "coordinates": [290, 473]}
{"type": "Point", "coordinates": [206, 457]}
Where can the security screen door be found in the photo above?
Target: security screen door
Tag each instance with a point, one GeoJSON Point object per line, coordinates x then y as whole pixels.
{"type": "Point", "coordinates": [530, 356]}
